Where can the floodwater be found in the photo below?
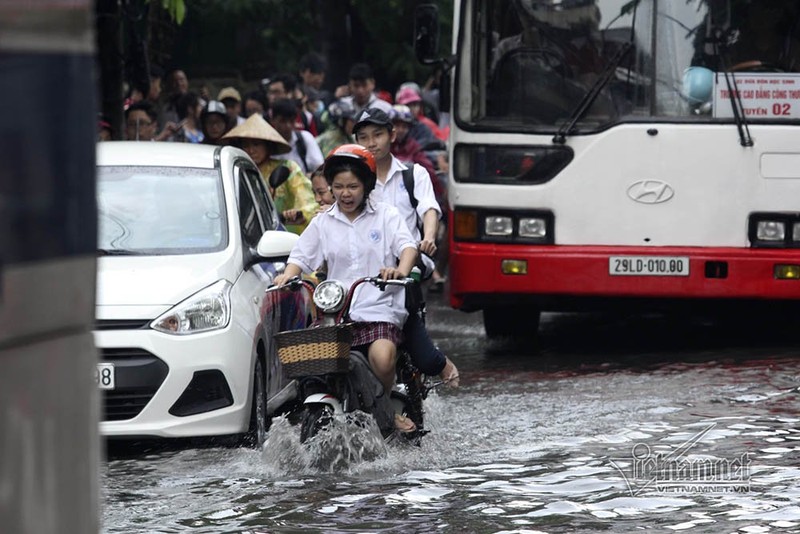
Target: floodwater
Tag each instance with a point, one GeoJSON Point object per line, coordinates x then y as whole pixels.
{"type": "Point", "coordinates": [607, 423]}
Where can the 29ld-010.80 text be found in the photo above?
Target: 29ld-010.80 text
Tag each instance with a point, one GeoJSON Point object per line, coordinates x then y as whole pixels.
{"type": "Point", "coordinates": [648, 266]}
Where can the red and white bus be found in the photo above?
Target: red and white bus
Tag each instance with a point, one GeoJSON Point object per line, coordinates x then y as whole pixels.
{"type": "Point", "coordinates": [621, 151]}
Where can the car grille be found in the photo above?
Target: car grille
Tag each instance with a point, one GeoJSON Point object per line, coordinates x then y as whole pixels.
{"type": "Point", "coordinates": [138, 375]}
{"type": "Point", "coordinates": [120, 324]}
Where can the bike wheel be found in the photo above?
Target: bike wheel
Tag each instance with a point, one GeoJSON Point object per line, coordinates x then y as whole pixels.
{"type": "Point", "coordinates": [316, 417]}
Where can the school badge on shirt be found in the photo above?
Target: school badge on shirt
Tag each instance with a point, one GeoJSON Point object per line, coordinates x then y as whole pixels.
{"type": "Point", "coordinates": [374, 236]}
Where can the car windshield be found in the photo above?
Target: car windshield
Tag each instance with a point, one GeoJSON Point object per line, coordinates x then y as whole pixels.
{"type": "Point", "coordinates": [533, 61]}
{"type": "Point", "coordinates": [160, 211]}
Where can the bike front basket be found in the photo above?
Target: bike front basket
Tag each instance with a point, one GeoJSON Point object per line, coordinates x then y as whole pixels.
{"type": "Point", "coordinates": [315, 351]}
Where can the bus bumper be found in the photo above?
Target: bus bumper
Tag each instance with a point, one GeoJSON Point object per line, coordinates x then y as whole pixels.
{"type": "Point", "coordinates": [568, 277]}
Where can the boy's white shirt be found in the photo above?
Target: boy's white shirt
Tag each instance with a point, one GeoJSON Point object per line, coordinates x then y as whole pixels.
{"type": "Point", "coordinates": [393, 192]}
{"type": "Point", "coordinates": [375, 239]}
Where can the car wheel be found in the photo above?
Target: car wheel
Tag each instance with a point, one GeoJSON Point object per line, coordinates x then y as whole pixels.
{"type": "Point", "coordinates": [510, 321]}
{"type": "Point", "coordinates": [257, 432]}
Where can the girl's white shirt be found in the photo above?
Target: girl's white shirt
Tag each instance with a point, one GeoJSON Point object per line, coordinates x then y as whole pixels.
{"type": "Point", "coordinates": [375, 239]}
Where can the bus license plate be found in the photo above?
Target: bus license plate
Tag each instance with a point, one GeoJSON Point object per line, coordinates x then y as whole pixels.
{"type": "Point", "coordinates": [648, 266]}
{"type": "Point", "coordinates": [104, 376]}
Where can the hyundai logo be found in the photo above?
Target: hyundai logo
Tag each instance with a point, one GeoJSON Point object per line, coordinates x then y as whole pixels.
{"type": "Point", "coordinates": [650, 191]}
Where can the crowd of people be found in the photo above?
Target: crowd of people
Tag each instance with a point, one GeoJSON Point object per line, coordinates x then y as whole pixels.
{"type": "Point", "coordinates": [291, 122]}
{"type": "Point", "coordinates": [300, 123]}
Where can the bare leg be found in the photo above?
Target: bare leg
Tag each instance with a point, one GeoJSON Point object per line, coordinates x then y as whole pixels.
{"type": "Point", "coordinates": [382, 358]}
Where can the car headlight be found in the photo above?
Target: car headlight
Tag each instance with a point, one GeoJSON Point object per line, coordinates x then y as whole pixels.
{"type": "Point", "coordinates": [329, 296]}
{"type": "Point", "coordinates": [208, 309]}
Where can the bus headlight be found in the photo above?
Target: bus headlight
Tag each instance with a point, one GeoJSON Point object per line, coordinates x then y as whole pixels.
{"type": "Point", "coordinates": [532, 227]}
{"type": "Point", "coordinates": [503, 226]}
{"type": "Point", "coordinates": [774, 230]}
{"type": "Point", "coordinates": [770, 231]}
{"type": "Point", "coordinates": [499, 226]}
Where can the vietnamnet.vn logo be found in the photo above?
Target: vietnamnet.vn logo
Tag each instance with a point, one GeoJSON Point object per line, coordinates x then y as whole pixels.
{"type": "Point", "coordinates": [681, 472]}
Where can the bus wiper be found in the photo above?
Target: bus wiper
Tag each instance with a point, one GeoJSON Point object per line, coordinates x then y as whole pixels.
{"type": "Point", "coordinates": [591, 95]}
{"type": "Point", "coordinates": [118, 252]}
{"type": "Point", "coordinates": [736, 99]}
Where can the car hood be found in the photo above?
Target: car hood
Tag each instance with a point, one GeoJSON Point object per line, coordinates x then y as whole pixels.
{"type": "Point", "coordinates": [158, 280]}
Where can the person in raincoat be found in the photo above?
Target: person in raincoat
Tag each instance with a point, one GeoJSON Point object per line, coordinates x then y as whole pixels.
{"type": "Point", "coordinates": [294, 197]}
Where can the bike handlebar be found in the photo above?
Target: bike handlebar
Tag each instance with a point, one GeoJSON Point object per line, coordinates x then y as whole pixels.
{"type": "Point", "coordinates": [292, 284]}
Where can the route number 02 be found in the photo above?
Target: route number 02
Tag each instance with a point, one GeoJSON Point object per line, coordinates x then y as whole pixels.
{"type": "Point", "coordinates": [781, 109]}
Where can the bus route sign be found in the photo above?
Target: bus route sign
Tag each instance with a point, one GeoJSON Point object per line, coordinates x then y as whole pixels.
{"type": "Point", "coordinates": [763, 95]}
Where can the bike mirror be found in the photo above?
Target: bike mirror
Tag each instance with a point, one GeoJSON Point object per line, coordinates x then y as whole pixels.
{"type": "Point", "coordinates": [278, 176]}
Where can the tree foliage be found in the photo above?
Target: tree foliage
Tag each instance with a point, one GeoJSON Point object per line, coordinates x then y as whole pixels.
{"type": "Point", "coordinates": [252, 39]}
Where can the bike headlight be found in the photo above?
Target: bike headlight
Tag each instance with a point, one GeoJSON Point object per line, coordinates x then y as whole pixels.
{"type": "Point", "coordinates": [329, 296]}
{"type": "Point", "coordinates": [208, 309]}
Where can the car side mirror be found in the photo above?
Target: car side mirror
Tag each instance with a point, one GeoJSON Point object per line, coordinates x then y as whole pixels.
{"type": "Point", "coordinates": [278, 176]}
{"type": "Point", "coordinates": [426, 33]}
{"type": "Point", "coordinates": [274, 245]}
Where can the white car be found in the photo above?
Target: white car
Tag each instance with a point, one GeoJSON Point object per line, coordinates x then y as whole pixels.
{"type": "Point", "coordinates": [188, 241]}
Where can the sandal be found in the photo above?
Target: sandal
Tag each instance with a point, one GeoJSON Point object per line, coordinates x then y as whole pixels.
{"type": "Point", "coordinates": [437, 286]}
{"type": "Point", "coordinates": [403, 424]}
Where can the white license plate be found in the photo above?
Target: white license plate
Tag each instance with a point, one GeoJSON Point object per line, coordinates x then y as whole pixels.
{"type": "Point", "coordinates": [648, 266]}
{"type": "Point", "coordinates": [104, 376]}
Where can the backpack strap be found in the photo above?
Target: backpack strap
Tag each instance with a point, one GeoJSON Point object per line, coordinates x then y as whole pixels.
{"type": "Point", "coordinates": [408, 181]}
{"type": "Point", "coordinates": [301, 149]}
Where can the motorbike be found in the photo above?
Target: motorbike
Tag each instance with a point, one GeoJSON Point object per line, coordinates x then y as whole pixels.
{"type": "Point", "coordinates": [335, 380]}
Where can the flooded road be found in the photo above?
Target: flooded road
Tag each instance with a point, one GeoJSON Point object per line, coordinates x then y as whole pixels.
{"type": "Point", "coordinates": [607, 423]}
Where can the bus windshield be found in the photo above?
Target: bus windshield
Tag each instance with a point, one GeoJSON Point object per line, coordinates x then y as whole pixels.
{"type": "Point", "coordinates": [532, 62]}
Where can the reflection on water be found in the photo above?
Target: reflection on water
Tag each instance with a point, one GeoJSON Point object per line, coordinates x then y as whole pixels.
{"type": "Point", "coordinates": [523, 446]}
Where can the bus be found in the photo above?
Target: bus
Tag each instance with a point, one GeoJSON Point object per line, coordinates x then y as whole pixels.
{"type": "Point", "coordinates": [49, 444]}
{"type": "Point", "coordinates": [620, 153]}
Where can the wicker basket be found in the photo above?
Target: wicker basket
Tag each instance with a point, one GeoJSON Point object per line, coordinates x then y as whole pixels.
{"type": "Point", "coordinates": [315, 351]}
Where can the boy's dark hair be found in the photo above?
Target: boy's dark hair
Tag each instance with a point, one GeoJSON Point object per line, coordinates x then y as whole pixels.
{"type": "Point", "coordinates": [145, 106]}
{"type": "Point", "coordinates": [289, 81]}
{"type": "Point", "coordinates": [360, 72]}
{"type": "Point", "coordinates": [285, 108]}
{"type": "Point", "coordinates": [313, 62]}
{"type": "Point", "coordinates": [184, 102]}
{"type": "Point", "coordinates": [258, 96]}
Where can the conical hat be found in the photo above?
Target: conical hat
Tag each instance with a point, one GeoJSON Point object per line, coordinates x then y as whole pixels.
{"type": "Point", "coordinates": [255, 127]}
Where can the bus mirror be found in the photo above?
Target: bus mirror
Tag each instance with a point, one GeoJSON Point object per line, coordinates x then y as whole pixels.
{"type": "Point", "coordinates": [426, 33]}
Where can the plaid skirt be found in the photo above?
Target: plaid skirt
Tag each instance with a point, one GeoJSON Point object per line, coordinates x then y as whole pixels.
{"type": "Point", "coordinates": [366, 333]}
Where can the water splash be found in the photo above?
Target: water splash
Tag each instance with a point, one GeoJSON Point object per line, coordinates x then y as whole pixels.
{"type": "Point", "coordinates": [349, 440]}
